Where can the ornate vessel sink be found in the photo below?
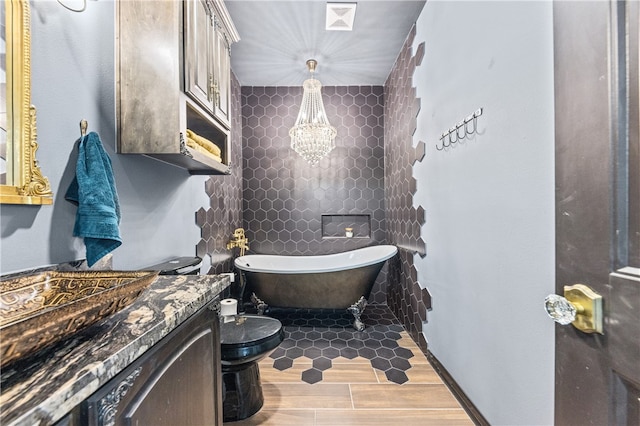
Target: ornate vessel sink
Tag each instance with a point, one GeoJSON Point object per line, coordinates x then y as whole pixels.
{"type": "Point", "coordinates": [42, 308]}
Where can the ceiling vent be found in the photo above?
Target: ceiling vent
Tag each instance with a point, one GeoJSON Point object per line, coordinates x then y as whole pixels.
{"type": "Point", "coordinates": [340, 16]}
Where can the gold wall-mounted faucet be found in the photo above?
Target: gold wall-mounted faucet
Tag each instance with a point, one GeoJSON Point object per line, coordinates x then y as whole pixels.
{"type": "Point", "coordinates": [239, 240]}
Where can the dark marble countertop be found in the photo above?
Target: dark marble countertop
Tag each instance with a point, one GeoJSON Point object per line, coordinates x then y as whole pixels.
{"type": "Point", "coordinates": [43, 388]}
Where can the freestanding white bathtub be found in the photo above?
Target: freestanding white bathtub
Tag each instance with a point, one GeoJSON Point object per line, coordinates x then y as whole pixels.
{"type": "Point", "coordinates": [331, 281]}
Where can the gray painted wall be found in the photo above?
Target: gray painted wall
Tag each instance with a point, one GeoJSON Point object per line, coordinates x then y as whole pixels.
{"type": "Point", "coordinates": [489, 202]}
{"type": "Point", "coordinates": [73, 78]}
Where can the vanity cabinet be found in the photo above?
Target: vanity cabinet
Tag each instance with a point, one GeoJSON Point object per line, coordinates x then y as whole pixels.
{"type": "Point", "coordinates": [176, 382]}
{"type": "Point", "coordinates": [173, 74]}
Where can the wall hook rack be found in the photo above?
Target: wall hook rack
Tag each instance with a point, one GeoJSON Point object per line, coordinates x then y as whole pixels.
{"type": "Point", "coordinates": [465, 128]}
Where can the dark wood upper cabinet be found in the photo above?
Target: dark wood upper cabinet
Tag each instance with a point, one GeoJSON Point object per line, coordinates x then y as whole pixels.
{"type": "Point", "coordinates": [172, 74]}
{"type": "Point", "coordinates": [207, 63]}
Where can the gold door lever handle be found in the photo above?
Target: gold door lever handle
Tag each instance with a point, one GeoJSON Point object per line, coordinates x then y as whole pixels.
{"type": "Point", "coordinates": [580, 306]}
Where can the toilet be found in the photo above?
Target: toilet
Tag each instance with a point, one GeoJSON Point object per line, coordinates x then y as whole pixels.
{"type": "Point", "coordinates": [245, 340]}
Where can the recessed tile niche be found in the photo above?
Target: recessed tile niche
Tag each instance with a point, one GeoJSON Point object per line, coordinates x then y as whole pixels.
{"type": "Point", "coordinates": [338, 225]}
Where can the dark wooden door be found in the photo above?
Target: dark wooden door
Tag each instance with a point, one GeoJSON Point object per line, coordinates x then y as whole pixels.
{"type": "Point", "coordinates": [597, 208]}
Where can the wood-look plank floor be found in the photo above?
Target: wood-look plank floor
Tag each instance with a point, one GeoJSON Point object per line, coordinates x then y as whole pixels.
{"type": "Point", "coordinates": [352, 392]}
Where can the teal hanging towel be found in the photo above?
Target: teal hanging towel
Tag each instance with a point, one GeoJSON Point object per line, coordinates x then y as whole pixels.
{"type": "Point", "coordinates": [93, 190]}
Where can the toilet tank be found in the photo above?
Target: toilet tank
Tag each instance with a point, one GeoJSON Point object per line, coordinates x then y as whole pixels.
{"type": "Point", "coordinates": [187, 265]}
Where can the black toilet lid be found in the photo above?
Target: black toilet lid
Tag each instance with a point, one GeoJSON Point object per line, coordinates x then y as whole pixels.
{"type": "Point", "coordinates": [249, 335]}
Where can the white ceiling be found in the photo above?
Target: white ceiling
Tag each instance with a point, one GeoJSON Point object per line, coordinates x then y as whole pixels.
{"type": "Point", "coordinates": [277, 38]}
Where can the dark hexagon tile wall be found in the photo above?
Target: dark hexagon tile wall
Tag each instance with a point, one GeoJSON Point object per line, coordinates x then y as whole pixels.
{"type": "Point", "coordinates": [284, 198]}
{"type": "Point", "coordinates": [223, 215]}
{"type": "Point", "coordinates": [404, 296]}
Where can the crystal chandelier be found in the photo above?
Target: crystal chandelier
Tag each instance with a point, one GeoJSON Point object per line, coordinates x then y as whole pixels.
{"type": "Point", "coordinates": [312, 136]}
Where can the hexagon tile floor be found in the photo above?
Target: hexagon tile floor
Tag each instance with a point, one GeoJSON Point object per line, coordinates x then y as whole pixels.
{"type": "Point", "coordinates": [325, 335]}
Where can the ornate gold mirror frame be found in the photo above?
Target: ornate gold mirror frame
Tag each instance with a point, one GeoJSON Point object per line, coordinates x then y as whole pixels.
{"type": "Point", "coordinates": [25, 184]}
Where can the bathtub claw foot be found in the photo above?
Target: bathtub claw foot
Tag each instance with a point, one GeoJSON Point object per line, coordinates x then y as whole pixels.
{"type": "Point", "coordinates": [259, 304]}
{"type": "Point", "coordinates": [356, 310]}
